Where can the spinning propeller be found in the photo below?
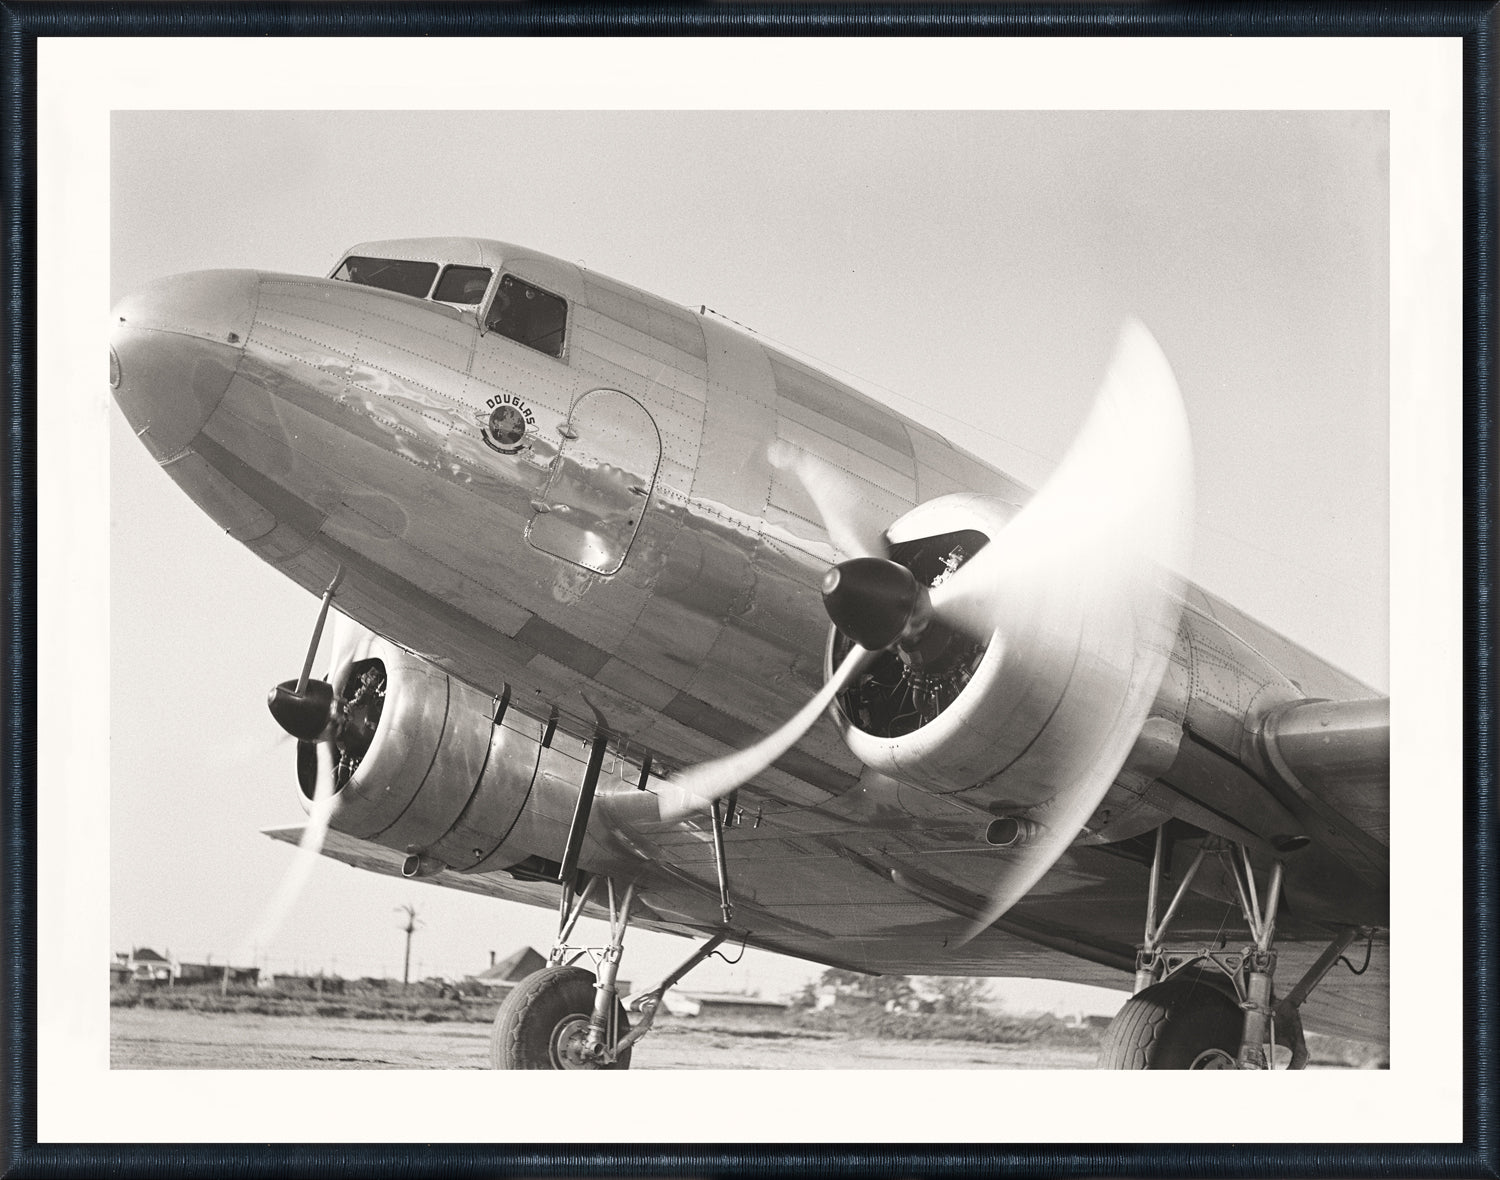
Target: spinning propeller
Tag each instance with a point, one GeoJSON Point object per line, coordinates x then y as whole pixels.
{"type": "Point", "coordinates": [313, 712]}
{"type": "Point", "coordinates": [1081, 586]}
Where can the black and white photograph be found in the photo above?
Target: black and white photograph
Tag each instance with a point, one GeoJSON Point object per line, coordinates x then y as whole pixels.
{"type": "Point", "coordinates": [593, 550]}
{"type": "Point", "coordinates": [866, 587]}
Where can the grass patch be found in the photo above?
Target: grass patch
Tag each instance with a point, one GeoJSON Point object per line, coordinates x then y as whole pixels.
{"type": "Point", "coordinates": [987, 1027]}
{"type": "Point", "coordinates": [352, 1005]}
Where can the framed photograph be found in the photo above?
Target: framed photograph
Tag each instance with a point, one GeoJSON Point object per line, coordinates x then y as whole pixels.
{"type": "Point", "coordinates": [816, 546]}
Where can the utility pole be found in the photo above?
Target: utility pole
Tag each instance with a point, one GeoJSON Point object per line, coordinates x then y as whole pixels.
{"type": "Point", "coordinates": [411, 926]}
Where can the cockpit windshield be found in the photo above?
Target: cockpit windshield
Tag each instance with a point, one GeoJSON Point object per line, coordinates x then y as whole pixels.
{"type": "Point", "coordinates": [517, 309]}
{"type": "Point", "coordinates": [528, 315]}
{"type": "Point", "coordinates": [462, 284]}
{"type": "Point", "coordinates": [389, 274]}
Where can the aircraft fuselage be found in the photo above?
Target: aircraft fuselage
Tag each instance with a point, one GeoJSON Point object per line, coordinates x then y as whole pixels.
{"type": "Point", "coordinates": [600, 533]}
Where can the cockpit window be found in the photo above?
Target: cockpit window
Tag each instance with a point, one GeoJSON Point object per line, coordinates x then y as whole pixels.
{"type": "Point", "coordinates": [462, 284]}
{"type": "Point", "coordinates": [389, 274]}
{"type": "Point", "coordinates": [528, 315]}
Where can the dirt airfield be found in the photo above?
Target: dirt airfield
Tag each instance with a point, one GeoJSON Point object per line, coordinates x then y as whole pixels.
{"type": "Point", "coordinates": [144, 1038]}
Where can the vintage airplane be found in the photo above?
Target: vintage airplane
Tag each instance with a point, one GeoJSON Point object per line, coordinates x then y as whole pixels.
{"type": "Point", "coordinates": [590, 550]}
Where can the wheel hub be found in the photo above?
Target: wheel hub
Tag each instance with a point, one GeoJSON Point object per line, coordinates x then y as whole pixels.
{"type": "Point", "coordinates": [569, 1044]}
{"type": "Point", "coordinates": [1214, 1059]}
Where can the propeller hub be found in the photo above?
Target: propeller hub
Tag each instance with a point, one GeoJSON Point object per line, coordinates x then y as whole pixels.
{"type": "Point", "coordinates": [875, 602]}
{"type": "Point", "coordinates": [309, 716]}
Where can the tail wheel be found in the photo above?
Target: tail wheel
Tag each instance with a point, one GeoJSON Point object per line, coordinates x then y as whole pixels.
{"type": "Point", "coordinates": [1180, 1023]}
{"type": "Point", "coordinates": [544, 1023]}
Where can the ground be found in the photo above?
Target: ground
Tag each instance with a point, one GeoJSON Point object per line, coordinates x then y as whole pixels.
{"type": "Point", "coordinates": [144, 1038]}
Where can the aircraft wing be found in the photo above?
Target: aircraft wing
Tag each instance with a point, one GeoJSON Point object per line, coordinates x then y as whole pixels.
{"type": "Point", "coordinates": [1078, 927]}
{"type": "Point", "coordinates": [376, 858]}
{"type": "Point", "coordinates": [1331, 769]}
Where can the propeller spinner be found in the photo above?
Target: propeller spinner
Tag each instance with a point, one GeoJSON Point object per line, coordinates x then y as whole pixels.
{"type": "Point", "coordinates": [308, 710]}
{"type": "Point", "coordinates": [1085, 576]}
{"type": "Point", "coordinates": [876, 602]}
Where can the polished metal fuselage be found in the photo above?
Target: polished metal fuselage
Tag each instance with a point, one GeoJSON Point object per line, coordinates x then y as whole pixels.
{"type": "Point", "coordinates": [638, 566]}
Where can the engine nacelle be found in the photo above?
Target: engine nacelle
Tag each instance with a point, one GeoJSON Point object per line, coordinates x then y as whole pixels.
{"type": "Point", "coordinates": [955, 715]}
{"type": "Point", "coordinates": [446, 773]}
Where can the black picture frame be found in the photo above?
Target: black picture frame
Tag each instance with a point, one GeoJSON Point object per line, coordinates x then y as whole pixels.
{"type": "Point", "coordinates": [24, 23]}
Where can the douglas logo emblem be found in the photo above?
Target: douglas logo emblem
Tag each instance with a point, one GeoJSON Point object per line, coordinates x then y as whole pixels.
{"type": "Point", "coordinates": [505, 428]}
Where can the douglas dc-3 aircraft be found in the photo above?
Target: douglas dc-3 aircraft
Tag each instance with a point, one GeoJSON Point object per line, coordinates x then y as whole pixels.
{"type": "Point", "coordinates": [591, 551]}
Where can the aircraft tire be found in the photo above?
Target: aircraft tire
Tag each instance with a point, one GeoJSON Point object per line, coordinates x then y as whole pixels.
{"type": "Point", "coordinates": [1170, 1024]}
{"type": "Point", "coordinates": [544, 1017]}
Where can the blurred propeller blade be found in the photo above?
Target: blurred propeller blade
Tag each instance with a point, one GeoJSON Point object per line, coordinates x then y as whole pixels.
{"type": "Point", "coordinates": [848, 521]}
{"type": "Point", "coordinates": [322, 746]}
{"type": "Point", "coordinates": [304, 859]}
{"type": "Point", "coordinates": [312, 647]}
{"type": "Point", "coordinates": [1119, 503]}
{"type": "Point", "coordinates": [1087, 576]}
{"type": "Point", "coordinates": [699, 786]}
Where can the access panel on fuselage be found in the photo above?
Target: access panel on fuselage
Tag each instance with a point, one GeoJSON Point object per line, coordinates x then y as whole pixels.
{"type": "Point", "coordinates": [600, 484]}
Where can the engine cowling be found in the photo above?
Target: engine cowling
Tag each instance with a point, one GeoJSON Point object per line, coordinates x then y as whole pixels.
{"type": "Point", "coordinates": [952, 715]}
{"type": "Point", "coordinates": [424, 763]}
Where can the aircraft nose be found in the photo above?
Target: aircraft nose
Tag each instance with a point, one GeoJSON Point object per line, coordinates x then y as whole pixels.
{"type": "Point", "coordinates": [173, 350]}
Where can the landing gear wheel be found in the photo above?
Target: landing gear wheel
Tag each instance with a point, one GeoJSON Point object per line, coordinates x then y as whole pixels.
{"type": "Point", "coordinates": [1180, 1023]}
{"type": "Point", "coordinates": [544, 1023]}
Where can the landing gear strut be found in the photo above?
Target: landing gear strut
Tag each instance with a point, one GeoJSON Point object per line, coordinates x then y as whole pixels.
{"type": "Point", "coordinates": [563, 1017]}
{"type": "Point", "coordinates": [1199, 1007]}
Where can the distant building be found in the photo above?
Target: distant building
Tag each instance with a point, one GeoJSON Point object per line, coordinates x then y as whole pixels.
{"type": "Point", "coordinates": [188, 973]}
{"type": "Point", "coordinates": [729, 1006]}
{"type": "Point", "coordinates": [202, 973]}
{"type": "Point", "coordinates": [142, 965]}
{"type": "Point", "coordinates": [315, 984]}
{"type": "Point", "coordinates": [845, 997]}
{"type": "Point", "coordinates": [500, 977]}
{"type": "Point", "coordinates": [503, 974]}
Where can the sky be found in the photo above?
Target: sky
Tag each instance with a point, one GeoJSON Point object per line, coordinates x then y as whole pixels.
{"type": "Point", "coordinates": [969, 269]}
